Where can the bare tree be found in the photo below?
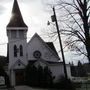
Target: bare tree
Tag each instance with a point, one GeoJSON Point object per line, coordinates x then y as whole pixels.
{"type": "Point", "coordinates": [74, 15]}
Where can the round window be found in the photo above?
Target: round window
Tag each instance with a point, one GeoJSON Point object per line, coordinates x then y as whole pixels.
{"type": "Point", "coordinates": [37, 54]}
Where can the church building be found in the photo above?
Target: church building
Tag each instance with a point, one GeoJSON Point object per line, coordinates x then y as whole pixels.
{"type": "Point", "coordinates": [36, 51]}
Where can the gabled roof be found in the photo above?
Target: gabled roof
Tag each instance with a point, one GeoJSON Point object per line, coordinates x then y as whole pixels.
{"type": "Point", "coordinates": [40, 62]}
{"type": "Point", "coordinates": [16, 19]}
{"type": "Point", "coordinates": [18, 62]}
{"type": "Point", "coordinates": [49, 45]}
{"type": "Point", "coordinates": [48, 63]}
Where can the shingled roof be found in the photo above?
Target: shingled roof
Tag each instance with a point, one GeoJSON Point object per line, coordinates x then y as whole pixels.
{"type": "Point", "coordinates": [50, 44]}
{"type": "Point", "coordinates": [16, 19]}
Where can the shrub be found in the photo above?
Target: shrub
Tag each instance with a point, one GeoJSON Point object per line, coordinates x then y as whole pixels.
{"type": "Point", "coordinates": [65, 84]}
{"type": "Point", "coordinates": [38, 76]}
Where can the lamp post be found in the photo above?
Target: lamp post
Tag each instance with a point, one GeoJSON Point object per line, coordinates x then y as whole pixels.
{"type": "Point", "coordinates": [54, 19]}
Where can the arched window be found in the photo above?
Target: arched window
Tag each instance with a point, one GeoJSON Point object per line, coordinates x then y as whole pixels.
{"type": "Point", "coordinates": [21, 50]}
{"type": "Point", "coordinates": [15, 51]}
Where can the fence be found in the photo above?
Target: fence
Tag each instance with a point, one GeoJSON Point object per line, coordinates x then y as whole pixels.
{"type": "Point", "coordinates": [84, 86]}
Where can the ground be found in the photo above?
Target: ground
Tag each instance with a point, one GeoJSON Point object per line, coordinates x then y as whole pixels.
{"type": "Point", "coordinates": [22, 88]}
{"type": "Point", "coordinates": [30, 88]}
{"type": "Point", "coordinates": [26, 88]}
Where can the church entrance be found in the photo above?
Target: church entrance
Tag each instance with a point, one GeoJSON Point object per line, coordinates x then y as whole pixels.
{"type": "Point", "coordinates": [20, 77]}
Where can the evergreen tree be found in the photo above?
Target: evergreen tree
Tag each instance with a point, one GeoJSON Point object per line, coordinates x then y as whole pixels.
{"type": "Point", "coordinates": [38, 76]}
{"type": "Point", "coordinates": [81, 70]}
{"type": "Point", "coordinates": [31, 75]}
{"type": "Point", "coordinates": [48, 76]}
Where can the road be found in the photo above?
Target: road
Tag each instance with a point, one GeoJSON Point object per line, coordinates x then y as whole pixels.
{"type": "Point", "coordinates": [22, 88]}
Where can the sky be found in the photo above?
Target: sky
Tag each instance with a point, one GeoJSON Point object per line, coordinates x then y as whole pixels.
{"type": "Point", "coordinates": [35, 13]}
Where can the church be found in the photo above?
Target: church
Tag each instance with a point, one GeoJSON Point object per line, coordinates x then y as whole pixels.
{"type": "Point", "coordinates": [36, 51]}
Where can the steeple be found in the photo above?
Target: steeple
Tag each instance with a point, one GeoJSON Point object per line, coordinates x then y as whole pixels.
{"type": "Point", "coordinates": [16, 18]}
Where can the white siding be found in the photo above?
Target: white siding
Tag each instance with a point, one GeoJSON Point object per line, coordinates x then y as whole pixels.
{"type": "Point", "coordinates": [46, 52]}
{"type": "Point", "coordinates": [57, 71]}
{"type": "Point", "coordinates": [13, 59]}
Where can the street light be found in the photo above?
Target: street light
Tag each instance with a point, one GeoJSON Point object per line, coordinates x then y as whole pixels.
{"type": "Point", "coordinates": [54, 19]}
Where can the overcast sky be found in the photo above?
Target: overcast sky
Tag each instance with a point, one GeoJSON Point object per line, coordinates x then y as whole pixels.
{"type": "Point", "coordinates": [35, 14]}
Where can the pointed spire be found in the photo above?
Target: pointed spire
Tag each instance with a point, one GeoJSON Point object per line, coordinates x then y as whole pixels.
{"type": "Point", "coordinates": [16, 19]}
{"type": "Point", "coordinates": [16, 9]}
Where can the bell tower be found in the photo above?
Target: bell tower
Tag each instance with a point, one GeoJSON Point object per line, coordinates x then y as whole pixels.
{"type": "Point", "coordinates": [17, 35]}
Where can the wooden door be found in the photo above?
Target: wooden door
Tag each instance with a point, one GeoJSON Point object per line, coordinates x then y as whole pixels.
{"type": "Point", "coordinates": [20, 77]}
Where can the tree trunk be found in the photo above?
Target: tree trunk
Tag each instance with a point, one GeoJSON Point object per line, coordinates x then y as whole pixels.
{"type": "Point", "coordinates": [87, 37]}
{"type": "Point", "coordinates": [88, 48]}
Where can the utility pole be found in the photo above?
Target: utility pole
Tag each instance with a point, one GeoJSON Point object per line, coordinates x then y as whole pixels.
{"type": "Point", "coordinates": [54, 19]}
